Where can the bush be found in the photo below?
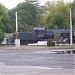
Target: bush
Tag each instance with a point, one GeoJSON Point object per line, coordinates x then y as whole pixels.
{"type": "Point", "coordinates": [53, 44]}
{"type": "Point", "coordinates": [50, 43]}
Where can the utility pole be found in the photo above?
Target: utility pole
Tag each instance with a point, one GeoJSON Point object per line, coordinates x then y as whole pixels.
{"type": "Point", "coordinates": [16, 23]}
{"type": "Point", "coordinates": [70, 27]}
{"type": "Point", "coordinates": [16, 27]}
{"type": "Point", "coordinates": [17, 40]}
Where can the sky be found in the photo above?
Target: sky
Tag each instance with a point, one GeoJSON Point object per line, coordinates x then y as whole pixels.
{"type": "Point", "coordinates": [13, 3]}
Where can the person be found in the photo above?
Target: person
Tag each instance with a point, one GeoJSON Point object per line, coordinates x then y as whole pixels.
{"type": "Point", "coordinates": [7, 40]}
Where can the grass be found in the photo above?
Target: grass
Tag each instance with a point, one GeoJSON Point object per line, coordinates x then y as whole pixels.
{"type": "Point", "coordinates": [41, 47]}
{"type": "Point", "coordinates": [63, 46]}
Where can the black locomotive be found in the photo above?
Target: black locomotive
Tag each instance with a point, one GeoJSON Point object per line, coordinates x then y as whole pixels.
{"type": "Point", "coordinates": [41, 33]}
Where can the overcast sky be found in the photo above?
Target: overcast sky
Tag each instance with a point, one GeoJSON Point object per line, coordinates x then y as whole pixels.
{"type": "Point", "coordinates": [12, 3]}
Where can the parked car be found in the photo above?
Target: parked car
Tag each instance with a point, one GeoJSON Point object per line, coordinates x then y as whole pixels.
{"type": "Point", "coordinates": [5, 41]}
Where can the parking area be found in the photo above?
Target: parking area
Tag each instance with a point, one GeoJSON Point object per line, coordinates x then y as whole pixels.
{"type": "Point", "coordinates": [35, 62]}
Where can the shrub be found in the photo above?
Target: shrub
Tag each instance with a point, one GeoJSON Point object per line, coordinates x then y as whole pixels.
{"type": "Point", "coordinates": [50, 43]}
{"type": "Point", "coordinates": [53, 44]}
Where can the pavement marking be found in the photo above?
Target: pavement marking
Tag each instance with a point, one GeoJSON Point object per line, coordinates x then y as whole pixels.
{"type": "Point", "coordinates": [45, 52]}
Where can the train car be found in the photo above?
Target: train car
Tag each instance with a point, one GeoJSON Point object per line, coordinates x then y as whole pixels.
{"type": "Point", "coordinates": [45, 34]}
{"type": "Point", "coordinates": [25, 38]}
{"type": "Point", "coordinates": [41, 34]}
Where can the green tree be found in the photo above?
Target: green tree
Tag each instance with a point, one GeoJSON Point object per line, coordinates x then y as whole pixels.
{"type": "Point", "coordinates": [58, 15]}
{"type": "Point", "coordinates": [73, 14]}
{"type": "Point", "coordinates": [1, 35]}
{"type": "Point", "coordinates": [28, 16]}
{"type": "Point", "coordinates": [12, 21]}
{"type": "Point", "coordinates": [4, 18]}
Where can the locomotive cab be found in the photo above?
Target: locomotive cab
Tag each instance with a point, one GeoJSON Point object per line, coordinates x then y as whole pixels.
{"type": "Point", "coordinates": [40, 32]}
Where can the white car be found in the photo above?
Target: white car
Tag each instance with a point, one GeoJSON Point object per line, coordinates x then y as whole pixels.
{"type": "Point", "coordinates": [4, 42]}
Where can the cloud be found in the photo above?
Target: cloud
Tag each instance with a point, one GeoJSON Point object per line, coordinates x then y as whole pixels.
{"type": "Point", "coordinates": [10, 3]}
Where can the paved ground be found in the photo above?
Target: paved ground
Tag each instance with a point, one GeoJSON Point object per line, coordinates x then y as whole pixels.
{"type": "Point", "coordinates": [40, 61]}
{"type": "Point", "coordinates": [32, 70]}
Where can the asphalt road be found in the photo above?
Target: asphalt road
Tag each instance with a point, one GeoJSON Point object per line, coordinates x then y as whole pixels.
{"type": "Point", "coordinates": [35, 62]}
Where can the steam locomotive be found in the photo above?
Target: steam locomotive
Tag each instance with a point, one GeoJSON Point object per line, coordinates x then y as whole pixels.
{"type": "Point", "coordinates": [41, 33]}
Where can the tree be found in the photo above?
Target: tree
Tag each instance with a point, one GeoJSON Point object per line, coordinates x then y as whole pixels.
{"type": "Point", "coordinates": [1, 35]}
{"type": "Point", "coordinates": [12, 21]}
{"type": "Point", "coordinates": [4, 18]}
{"type": "Point", "coordinates": [28, 16]}
{"type": "Point", "coordinates": [73, 14]}
{"type": "Point", "coordinates": [58, 15]}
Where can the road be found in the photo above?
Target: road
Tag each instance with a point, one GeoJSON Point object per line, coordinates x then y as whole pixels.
{"type": "Point", "coordinates": [35, 62]}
